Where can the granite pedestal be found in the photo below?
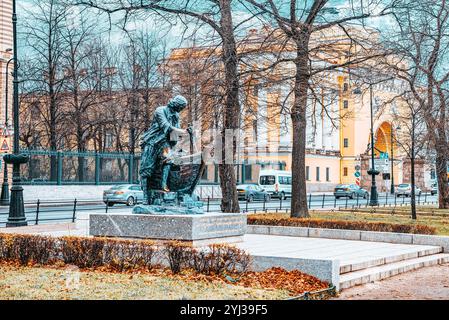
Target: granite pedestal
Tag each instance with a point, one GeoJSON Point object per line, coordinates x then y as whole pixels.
{"type": "Point", "coordinates": [198, 229]}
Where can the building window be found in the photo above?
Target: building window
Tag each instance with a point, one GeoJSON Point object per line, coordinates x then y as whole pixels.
{"type": "Point", "coordinates": [248, 172]}
{"type": "Point", "coordinates": [346, 104]}
{"type": "Point", "coordinates": [205, 175]}
{"type": "Point", "coordinates": [308, 173]}
{"type": "Point", "coordinates": [345, 172]}
{"type": "Point", "coordinates": [345, 87]}
{"type": "Point", "coordinates": [328, 174]}
{"type": "Point", "coordinates": [317, 173]}
{"type": "Point", "coordinates": [433, 175]}
{"type": "Point", "coordinates": [109, 141]}
{"type": "Point", "coordinates": [346, 143]}
{"type": "Point", "coordinates": [216, 177]}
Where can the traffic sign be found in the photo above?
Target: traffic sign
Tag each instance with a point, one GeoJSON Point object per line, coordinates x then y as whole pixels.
{"type": "Point", "coordinates": [4, 145]}
{"type": "Point", "coordinates": [382, 165]}
{"type": "Point", "coordinates": [384, 156]}
{"type": "Point", "coordinates": [357, 174]}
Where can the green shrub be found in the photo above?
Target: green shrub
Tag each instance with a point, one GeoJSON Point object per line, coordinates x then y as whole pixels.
{"type": "Point", "coordinates": [121, 255]}
{"type": "Point", "coordinates": [219, 259]}
{"type": "Point", "coordinates": [27, 249]}
{"type": "Point", "coordinates": [273, 220]}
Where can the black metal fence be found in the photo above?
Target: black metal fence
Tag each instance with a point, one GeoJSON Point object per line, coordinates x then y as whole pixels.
{"type": "Point", "coordinates": [78, 168]}
{"type": "Point", "coordinates": [40, 212]}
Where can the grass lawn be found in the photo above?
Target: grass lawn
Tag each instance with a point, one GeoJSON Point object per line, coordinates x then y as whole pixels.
{"type": "Point", "coordinates": [441, 223]}
{"type": "Point", "coordinates": [19, 283]}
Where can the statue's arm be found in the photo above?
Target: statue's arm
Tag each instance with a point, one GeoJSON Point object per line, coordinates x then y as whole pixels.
{"type": "Point", "coordinates": [163, 122]}
{"type": "Point", "coordinates": [166, 126]}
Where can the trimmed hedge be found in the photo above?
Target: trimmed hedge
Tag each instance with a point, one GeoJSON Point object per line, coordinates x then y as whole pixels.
{"type": "Point", "coordinates": [274, 220]}
{"type": "Point", "coordinates": [121, 255]}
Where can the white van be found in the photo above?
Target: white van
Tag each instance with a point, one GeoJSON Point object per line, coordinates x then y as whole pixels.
{"type": "Point", "coordinates": [276, 183]}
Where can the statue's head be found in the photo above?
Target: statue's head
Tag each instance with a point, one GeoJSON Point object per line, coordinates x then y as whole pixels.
{"type": "Point", "coordinates": [178, 103]}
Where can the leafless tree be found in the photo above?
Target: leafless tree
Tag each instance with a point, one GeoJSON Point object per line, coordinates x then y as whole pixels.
{"type": "Point", "coordinates": [43, 24]}
{"type": "Point", "coordinates": [217, 15]}
{"type": "Point", "coordinates": [421, 41]}
{"type": "Point", "coordinates": [80, 85]}
{"type": "Point", "coordinates": [301, 22]}
{"type": "Point", "coordinates": [411, 136]}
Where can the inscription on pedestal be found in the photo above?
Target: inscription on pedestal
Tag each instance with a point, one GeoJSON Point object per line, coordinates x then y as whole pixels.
{"type": "Point", "coordinates": [168, 227]}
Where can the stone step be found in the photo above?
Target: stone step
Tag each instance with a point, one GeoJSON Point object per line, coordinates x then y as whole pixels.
{"type": "Point", "coordinates": [368, 261]}
{"type": "Point", "coordinates": [377, 273]}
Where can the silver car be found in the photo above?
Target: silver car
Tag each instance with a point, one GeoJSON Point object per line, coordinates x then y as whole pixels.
{"type": "Point", "coordinates": [405, 190]}
{"type": "Point", "coordinates": [129, 194]}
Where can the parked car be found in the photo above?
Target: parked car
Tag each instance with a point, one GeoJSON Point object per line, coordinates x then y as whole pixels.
{"type": "Point", "coordinates": [434, 189]}
{"type": "Point", "coordinates": [350, 191]}
{"type": "Point", "coordinates": [251, 192]}
{"type": "Point", "coordinates": [405, 190]}
{"type": "Point", "coordinates": [130, 195]}
{"type": "Point", "coordinates": [277, 183]}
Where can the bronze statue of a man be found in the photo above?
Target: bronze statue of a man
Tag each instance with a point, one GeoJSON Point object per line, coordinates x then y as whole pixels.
{"type": "Point", "coordinates": [158, 142]}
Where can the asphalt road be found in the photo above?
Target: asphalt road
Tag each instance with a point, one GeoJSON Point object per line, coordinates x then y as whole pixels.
{"type": "Point", "coordinates": [51, 212]}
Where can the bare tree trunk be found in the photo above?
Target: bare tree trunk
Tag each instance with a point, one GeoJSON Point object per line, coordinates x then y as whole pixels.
{"type": "Point", "coordinates": [441, 171]}
{"type": "Point", "coordinates": [53, 137]}
{"type": "Point", "coordinates": [299, 121]}
{"type": "Point", "coordinates": [230, 203]}
{"type": "Point", "coordinates": [412, 173]}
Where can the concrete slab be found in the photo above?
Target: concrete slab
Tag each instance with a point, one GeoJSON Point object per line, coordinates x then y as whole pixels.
{"type": "Point", "coordinates": [206, 226]}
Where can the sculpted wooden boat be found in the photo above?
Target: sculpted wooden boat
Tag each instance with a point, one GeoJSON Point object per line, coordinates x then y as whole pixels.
{"type": "Point", "coordinates": [185, 174]}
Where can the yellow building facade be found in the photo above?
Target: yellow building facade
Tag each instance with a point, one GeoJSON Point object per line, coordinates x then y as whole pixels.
{"type": "Point", "coordinates": [338, 135]}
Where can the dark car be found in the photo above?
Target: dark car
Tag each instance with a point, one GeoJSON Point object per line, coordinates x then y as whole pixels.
{"type": "Point", "coordinates": [252, 192]}
{"type": "Point", "coordinates": [350, 191]}
{"type": "Point", "coordinates": [434, 189]}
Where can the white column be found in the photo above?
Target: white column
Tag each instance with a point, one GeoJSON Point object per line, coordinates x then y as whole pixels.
{"type": "Point", "coordinates": [262, 125]}
{"type": "Point", "coordinates": [285, 119]}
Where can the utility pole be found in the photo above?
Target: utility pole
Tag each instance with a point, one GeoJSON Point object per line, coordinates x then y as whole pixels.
{"type": "Point", "coordinates": [374, 199]}
{"type": "Point", "coordinates": [16, 216]}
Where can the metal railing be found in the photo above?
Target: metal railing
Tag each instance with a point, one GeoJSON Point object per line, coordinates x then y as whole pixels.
{"type": "Point", "coordinates": [317, 295]}
{"type": "Point", "coordinates": [39, 212]}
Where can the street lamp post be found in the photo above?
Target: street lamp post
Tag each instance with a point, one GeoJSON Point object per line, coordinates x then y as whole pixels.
{"type": "Point", "coordinates": [16, 216]}
{"type": "Point", "coordinates": [4, 197]}
{"type": "Point", "coordinates": [374, 199]}
{"type": "Point", "coordinates": [392, 191]}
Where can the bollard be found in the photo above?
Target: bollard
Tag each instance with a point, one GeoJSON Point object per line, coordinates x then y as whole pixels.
{"type": "Point", "coordinates": [247, 203]}
{"type": "Point", "coordinates": [419, 198]}
{"type": "Point", "coordinates": [346, 204]}
{"type": "Point", "coordinates": [208, 204]}
{"type": "Point", "coordinates": [335, 202]}
{"type": "Point", "coordinates": [310, 201]}
{"type": "Point", "coordinates": [107, 206]}
{"type": "Point", "coordinates": [74, 212]}
{"type": "Point", "coordinates": [37, 211]}
{"type": "Point", "coordinates": [280, 205]}
{"type": "Point", "coordinates": [265, 204]}
{"type": "Point", "coordinates": [324, 199]}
